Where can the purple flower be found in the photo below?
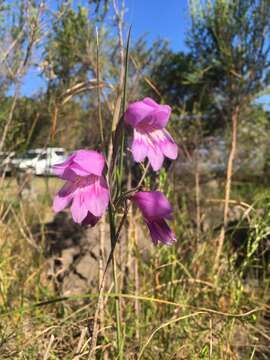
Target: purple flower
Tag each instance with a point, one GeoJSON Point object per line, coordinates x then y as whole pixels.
{"type": "Point", "coordinates": [151, 139]}
{"type": "Point", "coordinates": [155, 208]}
{"type": "Point", "coordinates": [85, 188]}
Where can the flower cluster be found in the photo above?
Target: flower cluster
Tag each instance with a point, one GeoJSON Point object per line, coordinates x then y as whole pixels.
{"type": "Point", "coordinates": [86, 190]}
{"type": "Point", "coordinates": [151, 139]}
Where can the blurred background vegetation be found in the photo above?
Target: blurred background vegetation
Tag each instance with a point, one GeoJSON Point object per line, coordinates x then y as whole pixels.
{"type": "Point", "coordinates": [207, 297]}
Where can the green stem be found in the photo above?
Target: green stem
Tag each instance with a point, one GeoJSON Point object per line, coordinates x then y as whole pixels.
{"type": "Point", "coordinates": [123, 111]}
{"type": "Point", "coordinates": [117, 301]}
{"type": "Point", "coordinates": [117, 311]}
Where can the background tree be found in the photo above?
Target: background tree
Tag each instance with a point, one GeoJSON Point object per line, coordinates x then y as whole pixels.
{"type": "Point", "coordinates": [229, 38]}
{"type": "Point", "coordinates": [20, 33]}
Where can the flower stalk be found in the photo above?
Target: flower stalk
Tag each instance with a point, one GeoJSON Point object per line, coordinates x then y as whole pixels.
{"type": "Point", "coordinates": [114, 239]}
{"type": "Point", "coordinates": [90, 194]}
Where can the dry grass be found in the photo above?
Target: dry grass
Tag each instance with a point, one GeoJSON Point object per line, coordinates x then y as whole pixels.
{"type": "Point", "coordinates": [170, 302]}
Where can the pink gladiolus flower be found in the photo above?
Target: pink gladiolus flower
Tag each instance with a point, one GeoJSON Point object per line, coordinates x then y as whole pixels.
{"type": "Point", "coordinates": [155, 208]}
{"type": "Point", "coordinates": [85, 188]}
{"type": "Point", "coordinates": [151, 139]}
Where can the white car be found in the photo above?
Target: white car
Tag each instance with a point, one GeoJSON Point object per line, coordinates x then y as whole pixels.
{"type": "Point", "coordinates": [40, 161]}
{"type": "Point", "coordinates": [26, 160]}
{"type": "Point", "coordinates": [51, 156]}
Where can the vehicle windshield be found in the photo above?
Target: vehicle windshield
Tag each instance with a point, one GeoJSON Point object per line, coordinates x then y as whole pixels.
{"type": "Point", "coordinates": [60, 153]}
{"type": "Point", "coordinates": [29, 155]}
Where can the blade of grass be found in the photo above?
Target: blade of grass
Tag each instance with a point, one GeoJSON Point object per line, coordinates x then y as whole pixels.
{"type": "Point", "coordinates": [123, 111]}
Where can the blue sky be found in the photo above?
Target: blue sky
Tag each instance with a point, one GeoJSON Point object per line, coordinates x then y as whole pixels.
{"type": "Point", "coordinates": [159, 18]}
{"type": "Point", "coordinates": [154, 18]}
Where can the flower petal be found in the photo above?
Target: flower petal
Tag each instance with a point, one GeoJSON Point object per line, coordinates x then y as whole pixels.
{"type": "Point", "coordinates": [153, 204]}
{"type": "Point", "coordinates": [60, 203]}
{"type": "Point", "coordinates": [150, 102]}
{"type": "Point", "coordinates": [78, 208]}
{"type": "Point", "coordinates": [160, 231]}
{"type": "Point", "coordinates": [58, 169]}
{"type": "Point", "coordinates": [97, 197]}
{"type": "Point", "coordinates": [67, 189]}
{"type": "Point", "coordinates": [156, 157]}
{"type": "Point", "coordinates": [147, 115]}
{"type": "Point", "coordinates": [168, 146]}
{"type": "Point", "coordinates": [139, 147]}
{"type": "Point", "coordinates": [157, 119]}
{"type": "Point", "coordinates": [82, 163]}
{"type": "Point", "coordinates": [92, 162]}
{"type": "Point", "coordinates": [153, 233]}
{"type": "Point", "coordinates": [136, 112]}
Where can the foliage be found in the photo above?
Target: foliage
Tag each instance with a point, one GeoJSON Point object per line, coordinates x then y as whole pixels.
{"type": "Point", "coordinates": [169, 75]}
{"type": "Point", "coordinates": [228, 39]}
{"type": "Point", "coordinates": [227, 63]}
{"type": "Point", "coordinates": [69, 45]}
